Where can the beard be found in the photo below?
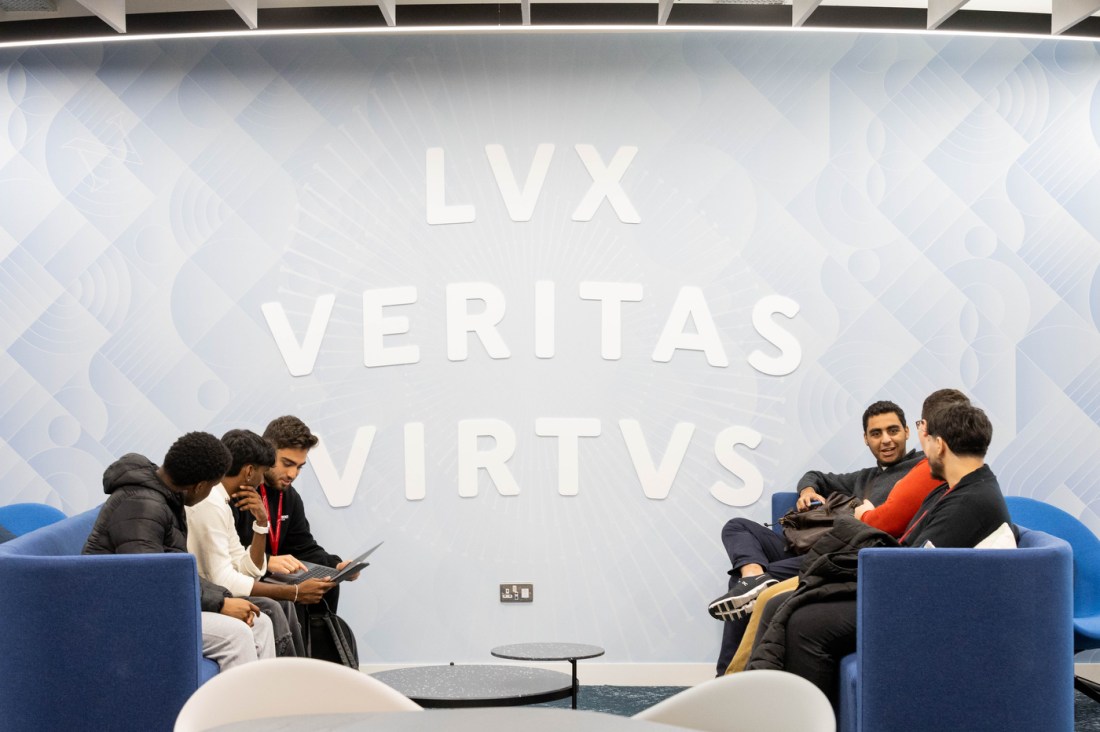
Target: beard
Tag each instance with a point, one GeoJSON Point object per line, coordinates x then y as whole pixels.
{"type": "Point", "coordinates": [937, 469]}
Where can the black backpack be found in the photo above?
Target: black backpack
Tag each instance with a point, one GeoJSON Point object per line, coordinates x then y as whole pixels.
{"type": "Point", "coordinates": [329, 638]}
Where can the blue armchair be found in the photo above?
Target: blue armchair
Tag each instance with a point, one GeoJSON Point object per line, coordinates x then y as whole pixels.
{"type": "Point", "coordinates": [961, 639]}
{"type": "Point", "coordinates": [96, 642]}
{"type": "Point", "coordinates": [20, 518]}
{"type": "Point", "coordinates": [1086, 562]}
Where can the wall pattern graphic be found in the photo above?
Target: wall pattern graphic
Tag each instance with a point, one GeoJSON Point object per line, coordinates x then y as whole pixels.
{"type": "Point", "coordinates": [559, 305]}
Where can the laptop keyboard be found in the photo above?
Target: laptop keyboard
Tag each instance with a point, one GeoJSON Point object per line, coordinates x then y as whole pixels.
{"type": "Point", "coordinates": [317, 572]}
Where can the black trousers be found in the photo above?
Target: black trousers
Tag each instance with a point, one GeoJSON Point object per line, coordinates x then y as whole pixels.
{"type": "Point", "coordinates": [748, 542]}
{"type": "Point", "coordinates": [819, 635]}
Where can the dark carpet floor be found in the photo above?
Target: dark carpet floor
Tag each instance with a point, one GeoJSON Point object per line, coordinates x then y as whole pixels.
{"type": "Point", "coordinates": [629, 700]}
{"type": "Point", "coordinates": [624, 700]}
{"type": "Point", "coordinates": [1086, 713]}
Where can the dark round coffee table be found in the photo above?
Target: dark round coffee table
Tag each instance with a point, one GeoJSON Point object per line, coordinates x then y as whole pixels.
{"type": "Point", "coordinates": [550, 652]}
{"type": "Point", "coordinates": [473, 685]}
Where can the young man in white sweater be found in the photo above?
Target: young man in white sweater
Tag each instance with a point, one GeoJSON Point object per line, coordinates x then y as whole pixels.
{"type": "Point", "coordinates": [221, 557]}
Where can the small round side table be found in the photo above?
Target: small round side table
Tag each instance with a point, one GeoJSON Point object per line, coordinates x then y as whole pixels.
{"type": "Point", "coordinates": [571, 652]}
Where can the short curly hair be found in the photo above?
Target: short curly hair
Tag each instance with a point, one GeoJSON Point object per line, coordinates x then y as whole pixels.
{"type": "Point", "coordinates": [289, 432]}
{"type": "Point", "coordinates": [965, 428]}
{"type": "Point", "coordinates": [247, 448]}
{"type": "Point", "coordinates": [196, 457]}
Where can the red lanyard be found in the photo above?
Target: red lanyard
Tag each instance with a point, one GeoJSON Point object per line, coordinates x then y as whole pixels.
{"type": "Point", "coordinates": [275, 521]}
{"type": "Point", "coordinates": [915, 523]}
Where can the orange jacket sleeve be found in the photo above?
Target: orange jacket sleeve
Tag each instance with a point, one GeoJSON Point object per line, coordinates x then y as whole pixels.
{"type": "Point", "coordinates": [904, 500]}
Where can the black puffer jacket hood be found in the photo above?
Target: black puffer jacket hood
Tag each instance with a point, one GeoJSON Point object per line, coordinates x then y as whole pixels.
{"type": "Point", "coordinates": [135, 470]}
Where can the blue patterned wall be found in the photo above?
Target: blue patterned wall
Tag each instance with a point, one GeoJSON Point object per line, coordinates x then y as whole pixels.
{"type": "Point", "coordinates": [749, 236]}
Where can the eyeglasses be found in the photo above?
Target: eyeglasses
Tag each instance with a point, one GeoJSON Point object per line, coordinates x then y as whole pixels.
{"type": "Point", "coordinates": [920, 423]}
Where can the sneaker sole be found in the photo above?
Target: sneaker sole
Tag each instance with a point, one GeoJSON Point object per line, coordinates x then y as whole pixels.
{"type": "Point", "coordinates": [728, 611]}
{"type": "Point", "coordinates": [726, 606]}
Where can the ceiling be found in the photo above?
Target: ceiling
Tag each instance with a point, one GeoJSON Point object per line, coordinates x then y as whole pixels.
{"type": "Point", "coordinates": [52, 19]}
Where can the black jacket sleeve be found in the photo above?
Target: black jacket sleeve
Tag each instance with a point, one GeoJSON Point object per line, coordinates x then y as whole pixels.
{"type": "Point", "coordinates": [211, 596]}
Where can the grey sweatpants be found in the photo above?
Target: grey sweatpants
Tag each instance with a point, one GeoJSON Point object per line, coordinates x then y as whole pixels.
{"type": "Point", "coordinates": [230, 642]}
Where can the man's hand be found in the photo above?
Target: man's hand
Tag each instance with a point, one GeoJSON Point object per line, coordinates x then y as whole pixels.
{"type": "Point", "coordinates": [284, 564]}
{"type": "Point", "coordinates": [863, 508]}
{"type": "Point", "coordinates": [311, 591]}
{"type": "Point", "coordinates": [350, 577]}
{"type": "Point", "coordinates": [240, 608]}
{"type": "Point", "coordinates": [247, 499]}
{"type": "Point", "coordinates": [806, 497]}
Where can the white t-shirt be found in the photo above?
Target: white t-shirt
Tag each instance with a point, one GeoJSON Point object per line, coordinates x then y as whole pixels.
{"type": "Point", "coordinates": [212, 538]}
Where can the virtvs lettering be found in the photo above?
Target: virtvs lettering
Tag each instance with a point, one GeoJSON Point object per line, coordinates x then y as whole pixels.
{"type": "Point", "coordinates": [489, 445]}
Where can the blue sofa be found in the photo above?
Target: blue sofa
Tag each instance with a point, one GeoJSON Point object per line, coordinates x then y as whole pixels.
{"type": "Point", "coordinates": [96, 642]}
{"type": "Point", "coordinates": [961, 639]}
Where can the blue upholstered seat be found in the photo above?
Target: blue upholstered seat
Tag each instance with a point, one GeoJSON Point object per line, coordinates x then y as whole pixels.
{"type": "Point", "coordinates": [96, 642]}
{"type": "Point", "coordinates": [21, 518]}
{"type": "Point", "coordinates": [1086, 562]}
{"type": "Point", "coordinates": [961, 639]}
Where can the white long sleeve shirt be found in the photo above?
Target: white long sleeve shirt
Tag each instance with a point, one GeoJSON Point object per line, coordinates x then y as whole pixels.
{"type": "Point", "coordinates": [212, 538]}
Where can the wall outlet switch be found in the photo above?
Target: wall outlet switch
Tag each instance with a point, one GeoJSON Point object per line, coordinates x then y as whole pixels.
{"type": "Point", "coordinates": [517, 592]}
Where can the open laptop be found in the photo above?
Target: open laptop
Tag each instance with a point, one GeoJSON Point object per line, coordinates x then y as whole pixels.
{"type": "Point", "coordinates": [318, 571]}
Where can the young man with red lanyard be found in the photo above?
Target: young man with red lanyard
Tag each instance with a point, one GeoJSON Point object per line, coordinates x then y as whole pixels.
{"type": "Point", "coordinates": [223, 560]}
{"type": "Point", "coordinates": [289, 539]}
